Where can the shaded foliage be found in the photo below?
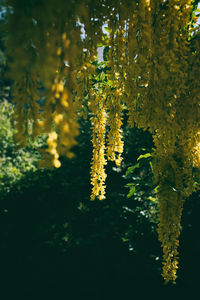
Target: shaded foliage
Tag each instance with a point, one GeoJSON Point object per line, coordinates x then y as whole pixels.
{"type": "Point", "coordinates": [49, 226]}
{"type": "Point", "coordinates": [14, 162]}
{"type": "Point", "coordinates": [53, 238]}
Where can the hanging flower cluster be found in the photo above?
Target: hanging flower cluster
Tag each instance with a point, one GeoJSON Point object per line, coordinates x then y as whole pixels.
{"type": "Point", "coordinates": [98, 121]}
{"type": "Point", "coordinates": [153, 72]}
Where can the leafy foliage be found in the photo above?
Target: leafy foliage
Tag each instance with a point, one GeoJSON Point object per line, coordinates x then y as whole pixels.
{"type": "Point", "coordinates": [14, 162]}
{"type": "Point", "coordinates": [128, 221]}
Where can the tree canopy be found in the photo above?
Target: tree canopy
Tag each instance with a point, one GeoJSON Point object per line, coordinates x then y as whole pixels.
{"type": "Point", "coordinates": [150, 73]}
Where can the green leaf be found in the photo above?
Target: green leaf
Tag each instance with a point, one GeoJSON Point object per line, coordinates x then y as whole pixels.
{"type": "Point", "coordinates": [107, 29]}
{"type": "Point", "coordinates": [129, 184]}
{"type": "Point", "coordinates": [156, 188]}
{"type": "Point", "coordinates": [131, 192]}
{"type": "Point", "coordinates": [152, 199]}
{"type": "Point", "coordinates": [110, 83]}
{"type": "Point", "coordinates": [132, 169]}
{"type": "Point", "coordinates": [144, 156]}
{"type": "Point", "coordinates": [102, 76]}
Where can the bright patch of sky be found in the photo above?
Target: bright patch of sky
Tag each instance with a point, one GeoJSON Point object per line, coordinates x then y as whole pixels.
{"type": "Point", "coordinates": [83, 35]}
{"type": "Point", "coordinates": [198, 7]}
{"type": "Point", "coordinates": [2, 10]}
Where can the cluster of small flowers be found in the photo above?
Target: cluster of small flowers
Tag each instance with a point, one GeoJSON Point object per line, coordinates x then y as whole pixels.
{"type": "Point", "coordinates": [151, 71]}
